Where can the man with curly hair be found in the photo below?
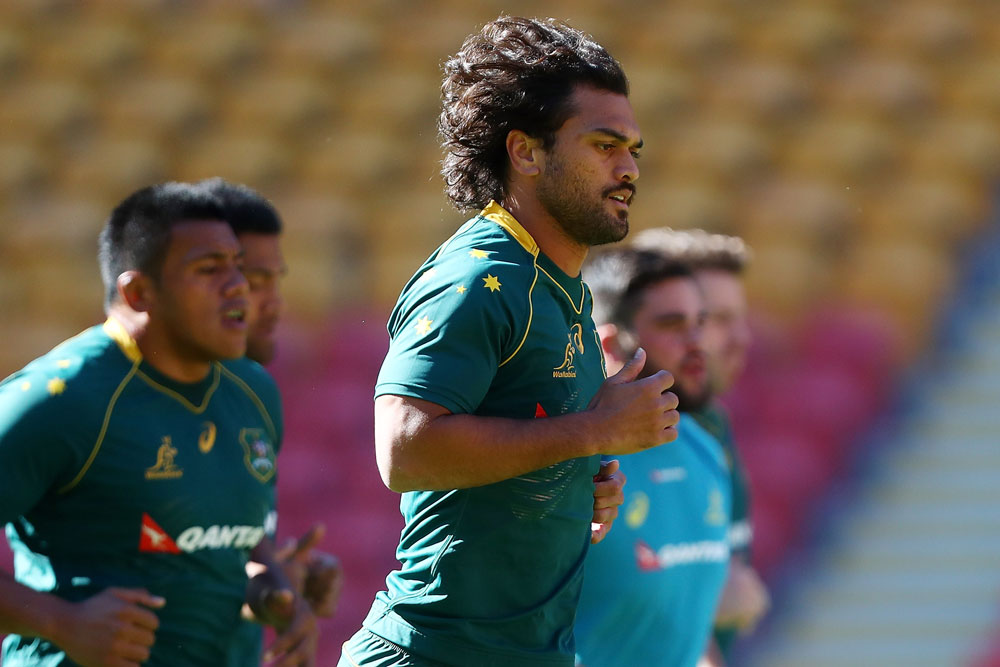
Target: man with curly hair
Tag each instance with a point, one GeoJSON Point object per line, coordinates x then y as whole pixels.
{"type": "Point", "coordinates": [492, 406]}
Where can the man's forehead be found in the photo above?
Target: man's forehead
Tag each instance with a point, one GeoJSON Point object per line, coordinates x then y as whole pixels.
{"type": "Point", "coordinates": [604, 111]}
{"type": "Point", "coordinates": [197, 238]}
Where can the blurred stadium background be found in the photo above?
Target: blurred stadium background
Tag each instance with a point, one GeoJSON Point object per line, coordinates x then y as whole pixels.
{"type": "Point", "coordinates": [855, 144]}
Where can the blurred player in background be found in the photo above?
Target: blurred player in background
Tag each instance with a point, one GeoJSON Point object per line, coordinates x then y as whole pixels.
{"type": "Point", "coordinates": [492, 406]}
{"type": "Point", "coordinates": [315, 574]}
{"type": "Point", "coordinates": [651, 588]}
{"type": "Point", "coordinates": [139, 466]}
{"type": "Point", "coordinates": [719, 262]}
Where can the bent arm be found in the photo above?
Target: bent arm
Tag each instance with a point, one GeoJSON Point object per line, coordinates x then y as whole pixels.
{"type": "Point", "coordinates": [24, 611]}
{"type": "Point", "coordinates": [421, 446]}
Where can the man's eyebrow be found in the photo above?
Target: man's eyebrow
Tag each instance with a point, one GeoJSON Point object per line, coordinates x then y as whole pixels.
{"type": "Point", "coordinates": [668, 317]}
{"type": "Point", "coordinates": [196, 255]}
{"type": "Point", "coordinates": [615, 134]}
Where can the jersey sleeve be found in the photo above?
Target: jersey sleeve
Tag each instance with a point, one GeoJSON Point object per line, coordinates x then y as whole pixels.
{"type": "Point", "coordinates": [452, 329]}
{"type": "Point", "coordinates": [35, 454]}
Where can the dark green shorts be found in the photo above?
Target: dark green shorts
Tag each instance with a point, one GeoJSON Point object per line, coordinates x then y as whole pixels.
{"type": "Point", "coordinates": [367, 650]}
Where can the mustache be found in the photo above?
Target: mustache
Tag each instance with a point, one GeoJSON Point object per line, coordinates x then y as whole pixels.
{"type": "Point", "coordinates": [624, 185]}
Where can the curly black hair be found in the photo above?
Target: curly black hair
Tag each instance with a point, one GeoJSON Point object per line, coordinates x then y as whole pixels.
{"type": "Point", "coordinates": [515, 73]}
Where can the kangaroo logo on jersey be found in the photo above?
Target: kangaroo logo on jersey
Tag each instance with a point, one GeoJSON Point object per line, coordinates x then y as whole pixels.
{"type": "Point", "coordinates": [165, 468]}
{"type": "Point", "coordinates": [575, 344]}
{"type": "Point", "coordinates": [258, 453]}
{"type": "Point", "coordinates": [715, 515]}
{"type": "Point", "coordinates": [206, 440]}
{"type": "Point", "coordinates": [637, 510]}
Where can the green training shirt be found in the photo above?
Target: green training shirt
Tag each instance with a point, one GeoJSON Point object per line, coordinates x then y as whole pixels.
{"type": "Point", "coordinates": [714, 419]}
{"type": "Point", "coordinates": [114, 475]}
{"type": "Point", "coordinates": [491, 575]}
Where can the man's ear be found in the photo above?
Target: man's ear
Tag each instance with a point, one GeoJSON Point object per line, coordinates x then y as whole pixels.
{"type": "Point", "coordinates": [135, 290]}
{"type": "Point", "coordinates": [526, 155]}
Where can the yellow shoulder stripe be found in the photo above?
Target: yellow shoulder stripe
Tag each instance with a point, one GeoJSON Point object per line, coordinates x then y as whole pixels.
{"type": "Point", "coordinates": [104, 428]}
{"type": "Point", "coordinates": [128, 346]}
{"type": "Point", "coordinates": [498, 214]}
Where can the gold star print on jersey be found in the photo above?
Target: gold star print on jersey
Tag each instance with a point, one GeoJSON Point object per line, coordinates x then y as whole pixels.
{"type": "Point", "coordinates": [183, 474]}
{"type": "Point", "coordinates": [504, 318]}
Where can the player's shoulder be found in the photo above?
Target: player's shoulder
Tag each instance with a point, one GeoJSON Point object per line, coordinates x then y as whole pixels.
{"type": "Point", "coordinates": [479, 261]}
{"type": "Point", "coordinates": [248, 371]}
{"type": "Point", "coordinates": [83, 370]}
{"type": "Point", "coordinates": [245, 373]}
{"type": "Point", "coordinates": [481, 244]}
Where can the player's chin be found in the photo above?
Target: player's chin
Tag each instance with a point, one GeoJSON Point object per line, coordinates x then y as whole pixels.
{"type": "Point", "coordinates": [231, 349]}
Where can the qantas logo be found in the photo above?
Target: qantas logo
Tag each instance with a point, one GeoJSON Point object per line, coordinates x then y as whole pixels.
{"type": "Point", "coordinates": [153, 539]}
{"type": "Point", "coordinates": [672, 555]}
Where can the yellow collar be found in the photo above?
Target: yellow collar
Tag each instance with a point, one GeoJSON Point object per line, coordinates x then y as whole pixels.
{"type": "Point", "coordinates": [498, 214]}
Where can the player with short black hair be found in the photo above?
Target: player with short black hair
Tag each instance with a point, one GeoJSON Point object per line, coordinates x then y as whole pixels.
{"type": "Point", "coordinates": [139, 459]}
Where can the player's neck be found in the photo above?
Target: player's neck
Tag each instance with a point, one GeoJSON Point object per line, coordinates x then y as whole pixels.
{"type": "Point", "coordinates": [157, 349]}
{"type": "Point", "coordinates": [564, 252]}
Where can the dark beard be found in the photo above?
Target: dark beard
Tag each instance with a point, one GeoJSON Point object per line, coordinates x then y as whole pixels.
{"type": "Point", "coordinates": [585, 223]}
{"type": "Point", "coordinates": [687, 402]}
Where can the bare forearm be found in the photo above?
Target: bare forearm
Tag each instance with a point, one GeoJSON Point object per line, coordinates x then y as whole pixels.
{"type": "Point", "coordinates": [25, 611]}
{"type": "Point", "coordinates": [462, 451]}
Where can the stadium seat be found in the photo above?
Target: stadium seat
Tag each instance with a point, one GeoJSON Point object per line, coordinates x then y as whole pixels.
{"type": "Point", "coordinates": [890, 86]}
{"type": "Point", "coordinates": [721, 145]}
{"type": "Point", "coordinates": [685, 203]}
{"type": "Point", "coordinates": [767, 90]}
{"type": "Point", "coordinates": [842, 145]}
{"type": "Point", "coordinates": [325, 39]}
{"type": "Point", "coordinates": [211, 44]}
{"type": "Point", "coordinates": [50, 109]}
{"type": "Point", "coordinates": [812, 33]}
{"type": "Point", "coordinates": [281, 103]}
{"type": "Point", "coordinates": [169, 106]}
{"type": "Point", "coordinates": [251, 158]}
{"type": "Point", "coordinates": [937, 209]}
{"type": "Point", "coordinates": [24, 168]}
{"type": "Point", "coordinates": [93, 47]}
{"type": "Point", "coordinates": [115, 165]}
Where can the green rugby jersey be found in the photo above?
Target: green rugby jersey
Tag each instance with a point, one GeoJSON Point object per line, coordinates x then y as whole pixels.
{"type": "Point", "coordinates": [491, 575]}
{"type": "Point", "coordinates": [115, 475]}
{"type": "Point", "coordinates": [714, 419]}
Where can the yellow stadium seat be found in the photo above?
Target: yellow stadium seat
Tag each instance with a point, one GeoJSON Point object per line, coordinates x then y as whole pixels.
{"type": "Point", "coordinates": [166, 105]}
{"type": "Point", "coordinates": [254, 159]}
{"type": "Point", "coordinates": [853, 147]}
{"type": "Point", "coordinates": [115, 165]}
{"type": "Point", "coordinates": [23, 168]}
{"type": "Point", "coordinates": [279, 102]}
{"type": "Point", "coordinates": [46, 109]}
